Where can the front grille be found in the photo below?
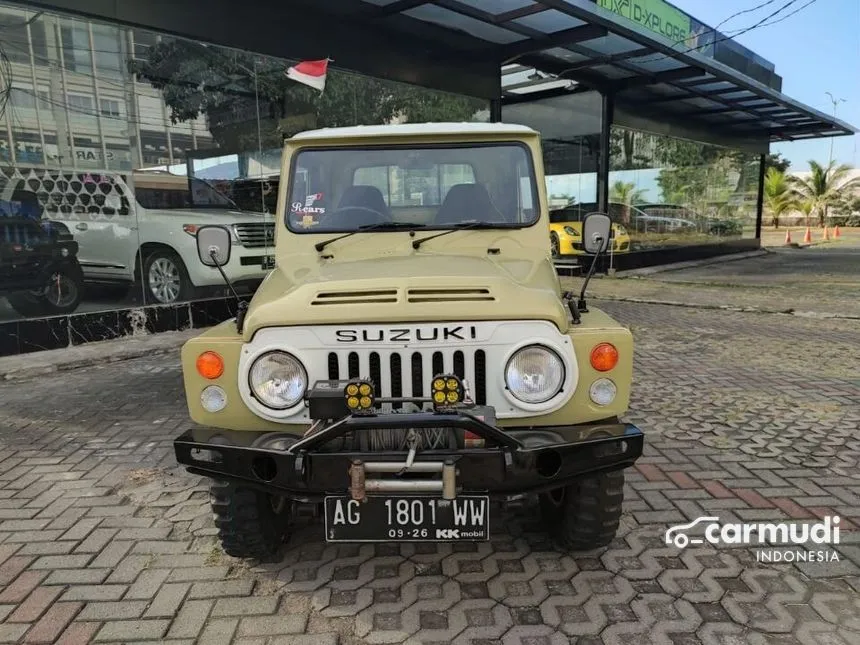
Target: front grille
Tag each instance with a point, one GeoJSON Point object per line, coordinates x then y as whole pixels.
{"type": "Point", "coordinates": [407, 373]}
{"type": "Point", "coordinates": [256, 235]}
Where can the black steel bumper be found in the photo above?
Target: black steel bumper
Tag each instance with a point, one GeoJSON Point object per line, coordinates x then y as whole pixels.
{"type": "Point", "coordinates": [514, 462]}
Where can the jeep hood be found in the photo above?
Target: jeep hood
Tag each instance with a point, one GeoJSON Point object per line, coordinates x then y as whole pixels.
{"type": "Point", "coordinates": [408, 289]}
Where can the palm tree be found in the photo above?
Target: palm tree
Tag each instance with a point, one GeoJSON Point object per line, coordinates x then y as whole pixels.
{"type": "Point", "coordinates": [823, 186]}
{"type": "Point", "coordinates": [806, 207]}
{"type": "Point", "coordinates": [779, 195]}
{"type": "Point", "coordinates": [626, 193]}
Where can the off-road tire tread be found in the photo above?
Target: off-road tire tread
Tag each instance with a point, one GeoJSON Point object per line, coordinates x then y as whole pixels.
{"type": "Point", "coordinates": [591, 512]}
{"type": "Point", "coordinates": [247, 525]}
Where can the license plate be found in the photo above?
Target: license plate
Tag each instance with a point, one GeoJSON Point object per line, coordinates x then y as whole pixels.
{"type": "Point", "coordinates": [407, 519]}
{"type": "Point", "coordinates": [268, 262]}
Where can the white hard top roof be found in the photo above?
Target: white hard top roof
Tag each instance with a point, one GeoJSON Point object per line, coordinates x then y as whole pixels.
{"type": "Point", "coordinates": [401, 129]}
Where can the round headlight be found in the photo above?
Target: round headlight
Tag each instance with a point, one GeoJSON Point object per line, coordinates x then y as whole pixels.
{"type": "Point", "coordinates": [534, 374]}
{"type": "Point", "coordinates": [278, 380]}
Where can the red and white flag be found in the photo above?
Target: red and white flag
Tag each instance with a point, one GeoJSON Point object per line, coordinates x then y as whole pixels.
{"type": "Point", "coordinates": [310, 72]}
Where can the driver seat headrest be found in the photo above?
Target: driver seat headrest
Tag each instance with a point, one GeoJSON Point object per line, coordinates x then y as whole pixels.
{"type": "Point", "coordinates": [365, 197]}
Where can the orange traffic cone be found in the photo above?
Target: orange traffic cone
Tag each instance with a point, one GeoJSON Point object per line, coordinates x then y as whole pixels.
{"type": "Point", "coordinates": [807, 239]}
{"type": "Point", "coordinates": [836, 231]}
{"type": "Point", "coordinates": [788, 237]}
{"type": "Point", "coordinates": [825, 236]}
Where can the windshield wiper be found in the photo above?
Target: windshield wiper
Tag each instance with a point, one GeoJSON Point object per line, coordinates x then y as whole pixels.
{"type": "Point", "coordinates": [379, 226]}
{"type": "Point", "coordinates": [462, 226]}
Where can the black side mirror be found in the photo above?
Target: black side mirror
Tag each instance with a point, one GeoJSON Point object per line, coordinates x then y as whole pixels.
{"type": "Point", "coordinates": [596, 230]}
{"type": "Point", "coordinates": [213, 245]}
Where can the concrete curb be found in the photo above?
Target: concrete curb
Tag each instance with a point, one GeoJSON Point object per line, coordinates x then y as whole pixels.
{"type": "Point", "coordinates": [755, 310]}
{"type": "Point", "coordinates": [719, 259]}
{"type": "Point", "coordinates": [23, 366]}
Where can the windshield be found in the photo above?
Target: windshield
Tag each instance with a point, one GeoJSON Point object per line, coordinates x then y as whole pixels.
{"type": "Point", "coordinates": [441, 186]}
{"type": "Point", "coordinates": [166, 192]}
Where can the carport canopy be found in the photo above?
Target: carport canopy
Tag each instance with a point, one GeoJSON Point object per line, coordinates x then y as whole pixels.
{"type": "Point", "coordinates": [548, 47]}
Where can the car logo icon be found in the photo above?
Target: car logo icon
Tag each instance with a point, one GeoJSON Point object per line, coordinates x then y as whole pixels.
{"type": "Point", "coordinates": [675, 534]}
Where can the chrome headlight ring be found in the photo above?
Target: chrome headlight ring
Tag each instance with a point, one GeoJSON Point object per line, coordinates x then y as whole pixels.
{"type": "Point", "coordinates": [278, 380]}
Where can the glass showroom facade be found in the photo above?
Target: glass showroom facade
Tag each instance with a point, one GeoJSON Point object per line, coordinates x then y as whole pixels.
{"type": "Point", "coordinates": [670, 194]}
{"type": "Point", "coordinates": [117, 143]}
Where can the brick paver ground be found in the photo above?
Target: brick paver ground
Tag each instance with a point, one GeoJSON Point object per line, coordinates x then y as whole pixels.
{"type": "Point", "coordinates": [748, 417]}
{"type": "Point", "coordinates": [822, 279]}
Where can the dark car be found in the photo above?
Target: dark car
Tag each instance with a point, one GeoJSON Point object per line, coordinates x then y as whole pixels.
{"type": "Point", "coordinates": [39, 270]}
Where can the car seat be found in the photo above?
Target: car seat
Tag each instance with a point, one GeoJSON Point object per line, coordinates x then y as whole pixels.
{"type": "Point", "coordinates": [465, 202]}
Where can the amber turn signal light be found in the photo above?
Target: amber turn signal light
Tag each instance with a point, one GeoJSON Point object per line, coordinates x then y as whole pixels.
{"type": "Point", "coordinates": [210, 365]}
{"type": "Point", "coordinates": [604, 357]}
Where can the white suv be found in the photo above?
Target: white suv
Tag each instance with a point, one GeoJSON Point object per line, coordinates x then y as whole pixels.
{"type": "Point", "coordinates": [141, 226]}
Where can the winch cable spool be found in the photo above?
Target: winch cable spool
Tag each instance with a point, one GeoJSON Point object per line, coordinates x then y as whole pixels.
{"type": "Point", "coordinates": [382, 439]}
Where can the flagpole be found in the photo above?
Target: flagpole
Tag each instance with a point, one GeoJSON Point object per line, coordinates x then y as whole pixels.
{"type": "Point", "coordinates": [259, 138]}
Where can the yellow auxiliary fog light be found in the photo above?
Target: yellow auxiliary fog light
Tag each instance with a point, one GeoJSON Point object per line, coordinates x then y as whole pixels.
{"type": "Point", "coordinates": [447, 390]}
{"type": "Point", "coordinates": [359, 395]}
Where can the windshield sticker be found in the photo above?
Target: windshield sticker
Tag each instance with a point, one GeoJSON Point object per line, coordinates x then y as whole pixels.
{"type": "Point", "coordinates": [308, 221]}
{"type": "Point", "coordinates": [308, 208]}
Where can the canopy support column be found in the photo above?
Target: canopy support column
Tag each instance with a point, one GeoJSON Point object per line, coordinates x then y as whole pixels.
{"type": "Point", "coordinates": [759, 205]}
{"type": "Point", "coordinates": [606, 112]}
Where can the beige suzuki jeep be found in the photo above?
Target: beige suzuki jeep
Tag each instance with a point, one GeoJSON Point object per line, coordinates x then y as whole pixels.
{"type": "Point", "coordinates": [411, 358]}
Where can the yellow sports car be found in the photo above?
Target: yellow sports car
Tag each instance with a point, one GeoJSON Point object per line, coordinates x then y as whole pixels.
{"type": "Point", "coordinates": [565, 226]}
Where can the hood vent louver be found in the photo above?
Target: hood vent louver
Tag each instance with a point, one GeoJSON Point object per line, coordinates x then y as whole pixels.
{"type": "Point", "coordinates": [413, 296]}
{"type": "Point", "coordinates": [377, 296]}
{"type": "Point", "coordinates": [461, 294]}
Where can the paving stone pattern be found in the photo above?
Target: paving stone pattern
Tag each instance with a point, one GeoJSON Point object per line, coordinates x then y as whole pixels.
{"type": "Point", "coordinates": [748, 417]}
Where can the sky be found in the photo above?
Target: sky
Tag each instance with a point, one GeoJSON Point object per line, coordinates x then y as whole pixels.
{"type": "Point", "coordinates": [817, 50]}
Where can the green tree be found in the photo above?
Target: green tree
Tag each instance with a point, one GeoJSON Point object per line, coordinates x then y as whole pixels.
{"type": "Point", "coordinates": [806, 207]}
{"type": "Point", "coordinates": [626, 193]}
{"type": "Point", "coordinates": [692, 173]}
{"type": "Point", "coordinates": [824, 186]}
{"type": "Point", "coordinates": [779, 196]}
{"type": "Point", "coordinates": [237, 90]}
{"type": "Point", "coordinates": [776, 160]}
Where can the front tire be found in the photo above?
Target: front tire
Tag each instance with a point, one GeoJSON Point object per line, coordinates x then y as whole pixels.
{"type": "Point", "coordinates": [586, 514]}
{"type": "Point", "coordinates": [61, 294]}
{"type": "Point", "coordinates": [165, 279]}
{"type": "Point", "coordinates": [251, 524]}
{"type": "Point", "coordinates": [555, 246]}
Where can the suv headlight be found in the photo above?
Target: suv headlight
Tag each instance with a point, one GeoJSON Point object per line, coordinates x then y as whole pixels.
{"type": "Point", "coordinates": [278, 380]}
{"type": "Point", "coordinates": [534, 374]}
